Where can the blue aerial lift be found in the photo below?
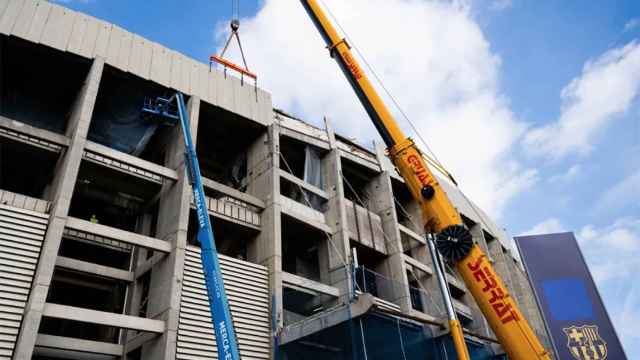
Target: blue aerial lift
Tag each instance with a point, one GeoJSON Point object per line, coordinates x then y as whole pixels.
{"type": "Point", "coordinates": [173, 110]}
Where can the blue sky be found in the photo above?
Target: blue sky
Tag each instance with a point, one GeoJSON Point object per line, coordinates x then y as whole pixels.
{"type": "Point", "coordinates": [515, 96]}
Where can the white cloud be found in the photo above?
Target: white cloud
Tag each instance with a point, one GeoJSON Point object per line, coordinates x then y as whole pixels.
{"type": "Point", "coordinates": [627, 319]}
{"type": "Point", "coordinates": [632, 24]}
{"type": "Point", "coordinates": [548, 226]}
{"type": "Point", "coordinates": [567, 176]}
{"type": "Point", "coordinates": [613, 255]}
{"type": "Point", "coordinates": [499, 5]}
{"type": "Point", "coordinates": [626, 192]}
{"type": "Point", "coordinates": [619, 241]}
{"type": "Point", "coordinates": [606, 88]}
{"type": "Point", "coordinates": [433, 57]}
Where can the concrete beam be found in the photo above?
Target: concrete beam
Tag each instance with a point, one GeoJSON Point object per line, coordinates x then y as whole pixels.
{"type": "Point", "coordinates": [228, 190]}
{"type": "Point", "coordinates": [326, 319]}
{"type": "Point", "coordinates": [74, 344]}
{"type": "Point", "coordinates": [305, 214]}
{"type": "Point", "coordinates": [95, 269]}
{"type": "Point", "coordinates": [120, 235]}
{"type": "Point", "coordinates": [137, 341]}
{"type": "Point", "coordinates": [369, 164]}
{"type": "Point", "coordinates": [104, 318]}
{"type": "Point", "coordinates": [147, 265]}
{"type": "Point", "coordinates": [305, 185]}
{"type": "Point", "coordinates": [131, 160]}
{"type": "Point", "coordinates": [35, 134]}
{"type": "Point", "coordinates": [309, 285]}
{"type": "Point", "coordinates": [412, 234]}
{"type": "Point", "coordinates": [308, 139]}
{"type": "Point", "coordinates": [417, 264]}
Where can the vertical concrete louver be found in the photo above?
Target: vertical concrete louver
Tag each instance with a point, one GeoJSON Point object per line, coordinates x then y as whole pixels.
{"type": "Point", "coordinates": [247, 287]}
{"type": "Point", "coordinates": [21, 235]}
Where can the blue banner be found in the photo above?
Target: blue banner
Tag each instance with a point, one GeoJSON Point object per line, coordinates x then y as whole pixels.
{"type": "Point", "coordinates": [573, 311]}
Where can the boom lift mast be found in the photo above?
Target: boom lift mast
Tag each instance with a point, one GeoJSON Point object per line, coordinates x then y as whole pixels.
{"type": "Point", "coordinates": [440, 217]}
{"type": "Point", "coordinates": [173, 110]}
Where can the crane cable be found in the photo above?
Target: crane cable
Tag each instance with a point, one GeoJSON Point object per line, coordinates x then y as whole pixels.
{"type": "Point", "coordinates": [235, 26]}
{"type": "Point", "coordinates": [386, 91]}
{"type": "Point", "coordinates": [433, 159]}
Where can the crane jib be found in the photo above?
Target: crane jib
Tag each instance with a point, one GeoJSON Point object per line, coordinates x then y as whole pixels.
{"type": "Point", "coordinates": [439, 213]}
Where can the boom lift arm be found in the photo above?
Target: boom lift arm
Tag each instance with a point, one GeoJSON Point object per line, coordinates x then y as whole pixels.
{"type": "Point", "coordinates": [440, 217]}
{"type": "Point", "coordinates": [173, 110]}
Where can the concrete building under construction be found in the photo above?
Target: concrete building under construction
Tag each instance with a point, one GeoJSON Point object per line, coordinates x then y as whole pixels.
{"type": "Point", "coordinates": [98, 258]}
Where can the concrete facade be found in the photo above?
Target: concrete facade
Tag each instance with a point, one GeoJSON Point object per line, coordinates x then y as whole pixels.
{"type": "Point", "coordinates": [114, 261]}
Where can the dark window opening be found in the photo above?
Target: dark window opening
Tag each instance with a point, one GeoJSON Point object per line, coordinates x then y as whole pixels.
{"type": "Point", "coordinates": [88, 292]}
{"type": "Point", "coordinates": [232, 240]}
{"type": "Point", "coordinates": [300, 304]}
{"type": "Point", "coordinates": [36, 92]}
{"type": "Point", "coordinates": [118, 121]}
{"type": "Point", "coordinates": [111, 253]}
{"type": "Point", "coordinates": [407, 209]}
{"type": "Point", "coordinates": [356, 179]}
{"type": "Point", "coordinates": [79, 330]}
{"type": "Point", "coordinates": [300, 248]}
{"type": "Point", "coordinates": [296, 192]}
{"type": "Point", "coordinates": [145, 281]}
{"type": "Point", "coordinates": [224, 139]}
{"type": "Point", "coordinates": [25, 169]}
{"type": "Point", "coordinates": [116, 199]}
{"type": "Point", "coordinates": [415, 293]}
{"type": "Point", "coordinates": [372, 276]}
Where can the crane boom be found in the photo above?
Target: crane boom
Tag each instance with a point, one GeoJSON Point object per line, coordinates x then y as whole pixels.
{"type": "Point", "coordinates": [440, 216]}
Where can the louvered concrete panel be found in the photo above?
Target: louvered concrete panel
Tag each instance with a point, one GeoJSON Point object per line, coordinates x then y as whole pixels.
{"type": "Point", "coordinates": [113, 49]}
{"type": "Point", "coordinates": [226, 94]}
{"type": "Point", "coordinates": [78, 33]}
{"type": "Point", "coordinates": [123, 57]}
{"type": "Point", "coordinates": [101, 47]}
{"type": "Point", "coordinates": [212, 88]}
{"type": "Point", "coordinates": [175, 69]}
{"type": "Point", "coordinates": [10, 16]}
{"type": "Point", "coordinates": [3, 7]}
{"type": "Point", "coordinates": [58, 27]}
{"type": "Point", "coordinates": [21, 235]}
{"type": "Point", "coordinates": [160, 65]}
{"type": "Point", "coordinates": [247, 290]}
{"type": "Point", "coordinates": [25, 17]}
{"type": "Point", "coordinates": [43, 22]}
{"type": "Point", "coordinates": [88, 44]}
{"type": "Point", "coordinates": [187, 65]}
{"type": "Point", "coordinates": [140, 58]}
{"type": "Point", "coordinates": [43, 8]}
{"type": "Point", "coordinates": [200, 80]}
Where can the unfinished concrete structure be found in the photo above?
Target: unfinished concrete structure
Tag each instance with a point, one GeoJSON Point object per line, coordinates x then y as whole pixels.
{"type": "Point", "coordinates": [97, 252]}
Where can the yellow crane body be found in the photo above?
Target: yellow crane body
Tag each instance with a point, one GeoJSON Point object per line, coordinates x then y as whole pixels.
{"type": "Point", "coordinates": [439, 214]}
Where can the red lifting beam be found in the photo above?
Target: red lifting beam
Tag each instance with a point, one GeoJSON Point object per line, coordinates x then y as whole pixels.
{"type": "Point", "coordinates": [229, 64]}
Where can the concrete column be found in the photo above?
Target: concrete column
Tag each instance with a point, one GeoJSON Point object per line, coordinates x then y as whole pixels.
{"type": "Point", "coordinates": [173, 221]}
{"type": "Point", "coordinates": [263, 163]}
{"type": "Point", "coordinates": [60, 194]}
{"type": "Point", "coordinates": [335, 254]}
{"type": "Point", "coordinates": [382, 203]}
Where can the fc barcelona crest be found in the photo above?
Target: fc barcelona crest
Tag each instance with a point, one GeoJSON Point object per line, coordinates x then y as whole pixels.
{"type": "Point", "coordinates": [585, 343]}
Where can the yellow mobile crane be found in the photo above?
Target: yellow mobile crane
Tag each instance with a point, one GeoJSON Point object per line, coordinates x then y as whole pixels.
{"type": "Point", "coordinates": [440, 217]}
